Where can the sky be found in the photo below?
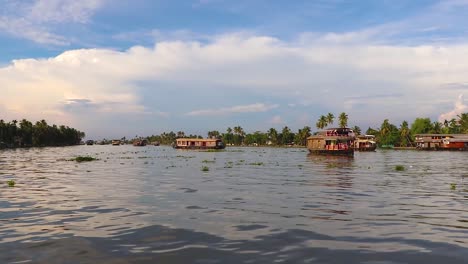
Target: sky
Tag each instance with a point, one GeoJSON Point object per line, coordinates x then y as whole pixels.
{"type": "Point", "coordinates": [142, 67]}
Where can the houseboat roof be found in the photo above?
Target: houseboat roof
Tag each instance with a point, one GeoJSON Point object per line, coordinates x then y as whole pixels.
{"type": "Point", "coordinates": [198, 139]}
{"type": "Point", "coordinates": [366, 136]}
{"type": "Point", "coordinates": [443, 135]}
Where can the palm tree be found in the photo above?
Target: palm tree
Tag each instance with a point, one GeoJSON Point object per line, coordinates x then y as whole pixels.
{"type": "Point", "coordinates": [385, 129]}
{"type": "Point", "coordinates": [343, 119]}
{"type": "Point", "coordinates": [322, 122]}
{"type": "Point", "coordinates": [357, 130]}
{"type": "Point", "coordinates": [404, 133]}
{"type": "Point", "coordinates": [436, 127]}
{"type": "Point", "coordinates": [273, 136]}
{"type": "Point", "coordinates": [330, 118]}
{"type": "Point", "coordinates": [463, 122]}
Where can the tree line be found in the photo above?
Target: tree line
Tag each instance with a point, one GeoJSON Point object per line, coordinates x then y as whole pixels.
{"type": "Point", "coordinates": [403, 135]}
{"type": "Point", "coordinates": [236, 136]}
{"type": "Point", "coordinates": [386, 134]}
{"type": "Point", "coordinates": [40, 134]}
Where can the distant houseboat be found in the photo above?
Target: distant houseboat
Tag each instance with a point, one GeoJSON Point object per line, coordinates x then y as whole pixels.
{"type": "Point", "coordinates": [365, 143]}
{"type": "Point", "coordinates": [441, 141]}
{"type": "Point", "coordinates": [333, 141]}
{"type": "Point", "coordinates": [116, 142]}
{"type": "Point", "coordinates": [140, 143]}
{"type": "Point", "coordinates": [198, 143]}
{"type": "Point", "coordinates": [89, 142]}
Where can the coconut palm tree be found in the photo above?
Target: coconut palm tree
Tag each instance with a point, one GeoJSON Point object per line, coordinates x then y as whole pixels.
{"type": "Point", "coordinates": [330, 118]}
{"type": "Point", "coordinates": [404, 133]}
{"type": "Point", "coordinates": [357, 130]}
{"type": "Point", "coordinates": [322, 122]}
{"type": "Point", "coordinates": [463, 122]}
{"type": "Point", "coordinates": [273, 136]}
{"type": "Point", "coordinates": [343, 119]}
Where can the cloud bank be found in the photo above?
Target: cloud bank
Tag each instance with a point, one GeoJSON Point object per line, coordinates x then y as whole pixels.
{"type": "Point", "coordinates": [395, 82]}
{"type": "Point", "coordinates": [459, 108]}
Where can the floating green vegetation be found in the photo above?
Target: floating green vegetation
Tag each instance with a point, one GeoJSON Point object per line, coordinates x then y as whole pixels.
{"type": "Point", "coordinates": [83, 159]}
{"type": "Point", "coordinates": [205, 168]}
{"type": "Point", "coordinates": [256, 164]}
{"type": "Point", "coordinates": [11, 183]}
{"type": "Point", "coordinates": [208, 161]}
{"type": "Point", "coordinates": [213, 150]}
{"type": "Point", "coordinates": [185, 157]}
{"type": "Point", "coordinates": [453, 186]}
{"type": "Point", "coordinates": [241, 160]}
{"type": "Point", "coordinates": [399, 168]}
{"type": "Point", "coordinates": [228, 165]}
{"type": "Point", "coordinates": [332, 165]}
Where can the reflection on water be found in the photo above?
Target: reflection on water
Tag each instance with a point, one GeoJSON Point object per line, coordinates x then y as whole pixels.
{"type": "Point", "coordinates": [253, 205]}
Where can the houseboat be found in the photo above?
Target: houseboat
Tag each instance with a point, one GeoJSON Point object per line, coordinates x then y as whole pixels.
{"type": "Point", "coordinates": [365, 143]}
{"type": "Point", "coordinates": [441, 141]}
{"type": "Point", "coordinates": [89, 142]}
{"type": "Point", "coordinates": [198, 143]}
{"type": "Point", "coordinates": [116, 142]}
{"type": "Point", "coordinates": [333, 141]}
{"type": "Point", "coordinates": [140, 143]}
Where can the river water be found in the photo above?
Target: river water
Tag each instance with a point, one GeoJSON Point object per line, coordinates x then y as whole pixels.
{"type": "Point", "coordinates": [253, 205]}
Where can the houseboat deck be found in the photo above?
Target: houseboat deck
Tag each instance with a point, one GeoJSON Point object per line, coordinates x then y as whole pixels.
{"type": "Point", "coordinates": [333, 141]}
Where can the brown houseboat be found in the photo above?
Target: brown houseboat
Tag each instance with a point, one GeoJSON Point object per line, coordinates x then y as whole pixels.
{"type": "Point", "coordinates": [140, 143]}
{"type": "Point", "coordinates": [198, 143]}
{"type": "Point", "coordinates": [333, 141]}
{"type": "Point", "coordinates": [365, 143]}
{"type": "Point", "coordinates": [441, 141]}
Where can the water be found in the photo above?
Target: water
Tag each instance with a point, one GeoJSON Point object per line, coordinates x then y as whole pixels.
{"type": "Point", "coordinates": [254, 205]}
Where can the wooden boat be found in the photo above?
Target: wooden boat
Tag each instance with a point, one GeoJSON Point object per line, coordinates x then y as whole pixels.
{"type": "Point", "coordinates": [365, 143]}
{"type": "Point", "coordinates": [198, 143]}
{"type": "Point", "coordinates": [116, 142]}
{"type": "Point", "coordinates": [333, 141]}
{"type": "Point", "coordinates": [140, 143]}
{"type": "Point", "coordinates": [441, 141]}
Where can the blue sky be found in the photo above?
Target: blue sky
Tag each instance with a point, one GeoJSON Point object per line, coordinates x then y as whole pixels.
{"type": "Point", "coordinates": [141, 67]}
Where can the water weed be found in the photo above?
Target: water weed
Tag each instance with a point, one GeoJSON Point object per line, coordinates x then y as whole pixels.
{"type": "Point", "coordinates": [11, 183]}
{"type": "Point", "coordinates": [83, 159]}
{"type": "Point", "coordinates": [399, 168]}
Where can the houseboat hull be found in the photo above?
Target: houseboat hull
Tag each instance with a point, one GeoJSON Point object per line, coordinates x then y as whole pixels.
{"type": "Point", "coordinates": [370, 148]}
{"type": "Point", "coordinates": [140, 143]}
{"type": "Point", "coordinates": [348, 152]}
{"type": "Point", "coordinates": [456, 142]}
{"type": "Point", "coordinates": [336, 141]}
{"type": "Point", "coordinates": [197, 147]}
{"type": "Point", "coordinates": [198, 143]}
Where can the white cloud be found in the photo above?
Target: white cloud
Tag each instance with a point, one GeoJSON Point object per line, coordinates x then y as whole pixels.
{"type": "Point", "coordinates": [459, 108]}
{"type": "Point", "coordinates": [276, 120]}
{"type": "Point", "coordinates": [387, 81]}
{"type": "Point", "coordinates": [37, 21]}
{"type": "Point", "coordinates": [252, 108]}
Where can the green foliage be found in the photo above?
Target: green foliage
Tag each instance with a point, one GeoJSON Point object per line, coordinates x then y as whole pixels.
{"type": "Point", "coordinates": [84, 159]}
{"type": "Point", "coordinates": [421, 126]}
{"type": "Point", "coordinates": [256, 164]}
{"type": "Point", "coordinates": [399, 168]}
{"type": "Point", "coordinates": [343, 119]}
{"type": "Point", "coordinates": [27, 134]}
{"type": "Point", "coordinates": [453, 186]}
{"type": "Point", "coordinates": [205, 169]}
{"type": "Point", "coordinates": [11, 183]}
